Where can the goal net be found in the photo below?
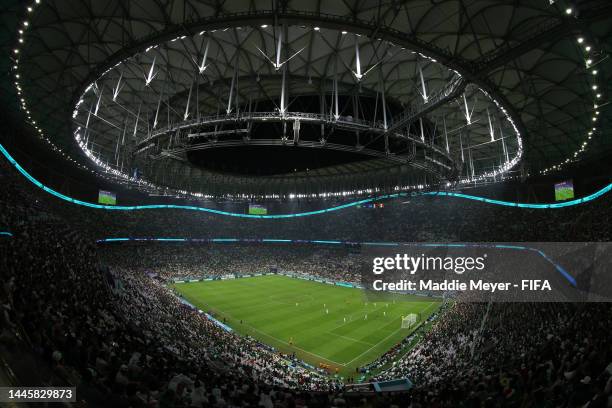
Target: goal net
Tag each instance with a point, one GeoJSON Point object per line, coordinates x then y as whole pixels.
{"type": "Point", "coordinates": [409, 321]}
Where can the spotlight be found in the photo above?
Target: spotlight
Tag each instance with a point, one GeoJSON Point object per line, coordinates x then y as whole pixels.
{"type": "Point", "coordinates": [568, 11]}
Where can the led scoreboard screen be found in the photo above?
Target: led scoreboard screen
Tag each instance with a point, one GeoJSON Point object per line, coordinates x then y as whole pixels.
{"type": "Point", "coordinates": [564, 190]}
{"type": "Point", "coordinates": [107, 197]}
{"type": "Point", "coordinates": [257, 209]}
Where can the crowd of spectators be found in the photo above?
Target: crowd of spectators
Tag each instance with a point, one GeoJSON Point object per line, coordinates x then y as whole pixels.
{"type": "Point", "coordinates": [122, 337]}
{"type": "Point", "coordinates": [183, 262]}
{"type": "Point", "coordinates": [408, 219]}
{"type": "Point", "coordinates": [98, 320]}
{"type": "Point", "coordinates": [420, 219]}
{"type": "Point", "coordinates": [516, 355]}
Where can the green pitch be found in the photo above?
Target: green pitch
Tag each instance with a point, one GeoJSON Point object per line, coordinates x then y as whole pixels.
{"type": "Point", "coordinates": [318, 322]}
{"type": "Point", "coordinates": [564, 193]}
{"type": "Point", "coordinates": [258, 210]}
{"type": "Point", "coordinates": [106, 199]}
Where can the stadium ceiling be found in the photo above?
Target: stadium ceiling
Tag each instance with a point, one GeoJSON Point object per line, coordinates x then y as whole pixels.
{"type": "Point", "coordinates": [537, 69]}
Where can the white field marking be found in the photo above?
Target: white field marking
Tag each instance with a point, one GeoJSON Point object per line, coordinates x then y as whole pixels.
{"type": "Point", "coordinates": [375, 309]}
{"type": "Point", "coordinates": [354, 313]}
{"type": "Point", "coordinates": [350, 338]}
{"type": "Point", "coordinates": [317, 355]}
{"type": "Point", "coordinates": [282, 341]}
{"type": "Point", "coordinates": [351, 321]}
{"type": "Point", "coordinates": [383, 340]}
{"type": "Point", "coordinates": [293, 346]}
{"type": "Point", "coordinates": [427, 308]}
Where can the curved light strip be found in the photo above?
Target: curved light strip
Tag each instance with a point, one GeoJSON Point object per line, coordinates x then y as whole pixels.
{"type": "Point", "coordinates": [5, 234]}
{"type": "Point", "coordinates": [558, 267]}
{"type": "Point", "coordinates": [569, 203]}
{"type": "Point", "coordinates": [302, 214]}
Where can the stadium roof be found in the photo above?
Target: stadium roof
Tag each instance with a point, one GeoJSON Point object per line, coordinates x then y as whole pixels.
{"type": "Point", "coordinates": [544, 65]}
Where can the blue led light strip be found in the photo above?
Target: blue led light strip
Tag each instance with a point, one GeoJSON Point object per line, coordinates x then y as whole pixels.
{"type": "Point", "coordinates": [558, 267]}
{"type": "Point", "coordinates": [569, 203]}
{"type": "Point", "coordinates": [5, 234]}
{"type": "Point", "coordinates": [302, 214]}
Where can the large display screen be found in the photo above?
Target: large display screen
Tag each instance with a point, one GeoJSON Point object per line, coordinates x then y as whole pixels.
{"type": "Point", "coordinates": [107, 197]}
{"type": "Point", "coordinates": [258, 209]}
{"type": "Point", "coordinates": [564, 190]}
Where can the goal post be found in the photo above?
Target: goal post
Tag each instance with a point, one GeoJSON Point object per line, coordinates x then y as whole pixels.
{"type": "Point", "coordinates": [409, 320]}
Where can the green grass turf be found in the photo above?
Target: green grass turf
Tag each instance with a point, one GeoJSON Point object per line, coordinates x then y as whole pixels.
{"type": "Point", "coordinates": [289, 314]}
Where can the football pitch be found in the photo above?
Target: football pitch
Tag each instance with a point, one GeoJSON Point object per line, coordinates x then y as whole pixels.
{"type": "Point", "coordinates": [320, 323]}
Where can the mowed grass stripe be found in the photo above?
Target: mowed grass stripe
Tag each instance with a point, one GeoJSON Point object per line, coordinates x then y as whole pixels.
{"type": "Point", "coordinates": [266, 305]}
